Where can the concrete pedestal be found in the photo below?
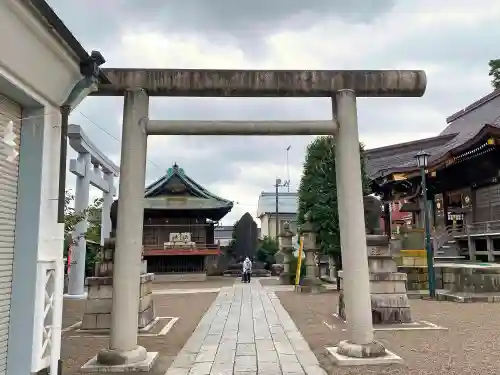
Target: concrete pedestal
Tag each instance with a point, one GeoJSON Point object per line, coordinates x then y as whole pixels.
{"type": "Point", "coordinates": [285, 276]}
{"type": "Point", "coordinates": [286, 248]}
{"type": "Point", "coordinates": [389, 300]}
{"type": "Point", "coordinates": [310, 283]}
{"type": "Point", "coordinates": [97, 315]}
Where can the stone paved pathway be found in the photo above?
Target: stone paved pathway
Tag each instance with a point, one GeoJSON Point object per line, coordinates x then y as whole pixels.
{"type": "Point", "coordinates": [246, 331]}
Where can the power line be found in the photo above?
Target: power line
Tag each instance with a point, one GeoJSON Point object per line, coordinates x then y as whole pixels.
{"type": "Point", "coordinates": [112, 136]}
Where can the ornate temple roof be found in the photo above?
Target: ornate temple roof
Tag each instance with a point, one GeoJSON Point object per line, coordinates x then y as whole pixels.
{"type": "Point", "coordinates": [467, 129]}
{"type": "Point", "coordinates": [177, 191]}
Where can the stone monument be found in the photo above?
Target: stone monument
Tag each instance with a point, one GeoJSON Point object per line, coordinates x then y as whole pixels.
{"type": "Point", "coordinates": [389, 300]}
{"type": "Point", "coordinates": [311, 282]}
{"type": "Point", "coordinates": [245, 245]}
{"type": "Point", "coordinates": [98, 307]}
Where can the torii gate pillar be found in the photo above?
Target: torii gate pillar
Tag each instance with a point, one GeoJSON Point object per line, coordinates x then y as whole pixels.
{"type": "Point", "coordinates": [352, 231]}
{"type": "Point", "coordinates": [123, 348]}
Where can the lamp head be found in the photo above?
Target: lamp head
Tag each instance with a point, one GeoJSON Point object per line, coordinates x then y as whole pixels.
{"type": "Point", "coordinates": [422, 159]}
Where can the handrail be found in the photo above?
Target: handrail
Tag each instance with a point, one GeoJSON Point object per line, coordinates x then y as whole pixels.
{"type": "Point", "coordinates": [447, 234]}
{"type": "Point", "coordinates": [484, 227]}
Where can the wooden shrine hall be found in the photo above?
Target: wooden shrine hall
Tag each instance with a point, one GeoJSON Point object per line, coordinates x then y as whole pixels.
{"type": "Point", "coordinates": [462, 176]}
{"type": "Point", "coordinates": [179, 220]}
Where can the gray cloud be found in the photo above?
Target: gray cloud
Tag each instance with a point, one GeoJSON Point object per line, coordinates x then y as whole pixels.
{"type": "Point", "coordinates": [454, 54]}
{"type": "Point", "coordinates": [96, 21]}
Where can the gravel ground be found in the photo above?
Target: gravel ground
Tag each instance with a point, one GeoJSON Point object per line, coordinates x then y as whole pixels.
{"type": "Point", "coordinates": [72, 312]}
{"type": "Point", "coordinates": [215, 282]}
{"type": "Point", "coordinates": [78, 350]}
{"type": "Point", "coordinates": [470, 345]}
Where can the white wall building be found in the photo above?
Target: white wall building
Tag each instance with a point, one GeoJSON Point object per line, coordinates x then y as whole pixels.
{"type": "Point", "coordinates": [40, 63]}
{"type": "Point", "coordinates": [223, 234]}
{"type": "Point", "coordinates": [287, 211]}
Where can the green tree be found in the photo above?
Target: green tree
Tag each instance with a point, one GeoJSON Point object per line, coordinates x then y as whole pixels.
{"type": "Point", "coordinates": [94, 220]}
{"type": "Point", "coordinates": [71, 218]}
{"type": "Point", "coordinates": [268, 247]}
{"type": "Point", "coordinates": [495, 73]}
{"type": "Point", "coordinates": [318, 195]}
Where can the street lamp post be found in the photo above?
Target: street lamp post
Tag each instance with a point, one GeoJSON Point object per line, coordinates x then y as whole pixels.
{"type": "Point", "coordinates": [422, 159]}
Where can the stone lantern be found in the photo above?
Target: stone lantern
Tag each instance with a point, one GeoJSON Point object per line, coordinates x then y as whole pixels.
{"type": "Point", "coordinates": [286, 248]}
{"type": "Point", "coordinates": [311, 282]}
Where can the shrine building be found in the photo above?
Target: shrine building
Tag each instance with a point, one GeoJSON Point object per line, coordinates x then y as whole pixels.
{"type": "Point", "coordinates": [180, 216]}
{"type": "Point", "coordinates": [462, 176]}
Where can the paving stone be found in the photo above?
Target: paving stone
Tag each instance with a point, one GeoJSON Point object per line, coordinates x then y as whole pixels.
{"type": "Point", "coordinates": [268, 356]}
{"type": "Point", "coordinates": [306, 358]}
{"type": "Point", "coordinates": [245, 363]}
{"type": "Point", "coordinates": [287, 358]}
{"type": "Point", "coordinates": [245, 349]}
{"type": "Point", "coordinates": [222, 369]}
{"type": "Point", "coordinates": [246, 331]}
{"type": "Point", "coordinates": [268, 367]}
{"type": "Point", "coordinates": [184, 360]}
{"type": "Point", "coordinates": [284, 348]}
{"type": "Point", "coordinates": [202, 368]}
{"type": "Point", "coordinates": [212, 339]}
{"type": "Point", "coordinates": [177, 371]}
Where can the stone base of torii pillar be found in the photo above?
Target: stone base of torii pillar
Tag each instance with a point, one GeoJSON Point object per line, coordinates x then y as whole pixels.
{"type": "Point", "coordinates": [97, 314]}
{"type": "Point", "coordinates": [389, 299]}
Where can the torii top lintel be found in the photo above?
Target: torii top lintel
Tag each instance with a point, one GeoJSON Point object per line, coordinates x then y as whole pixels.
{"type": "Point", "coordinates": [264, 83]}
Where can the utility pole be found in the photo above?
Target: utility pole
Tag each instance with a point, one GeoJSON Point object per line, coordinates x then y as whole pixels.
{"type": "Point", "coordinates": [288, 168]}
{"type": "Point", "coordinates": [277, 186]}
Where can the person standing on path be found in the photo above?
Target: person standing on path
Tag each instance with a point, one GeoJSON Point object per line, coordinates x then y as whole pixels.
{"type": "Point", "coordinates": [247, 270]}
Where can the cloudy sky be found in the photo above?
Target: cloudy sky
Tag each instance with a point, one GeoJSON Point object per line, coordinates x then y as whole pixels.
{"type": "Point", "coordinates": [452, 40]}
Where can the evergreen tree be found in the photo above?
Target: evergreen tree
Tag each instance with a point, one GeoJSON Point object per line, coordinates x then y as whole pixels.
{"type": "Point", "coordinates": [495, 73]}
{"type": "Point", "coordinates": [71, 218]}
{"type": "Point", "coordinates": [318, 195]}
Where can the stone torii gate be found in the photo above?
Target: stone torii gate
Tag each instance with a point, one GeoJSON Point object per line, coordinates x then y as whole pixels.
{"type": "Point", "coordinates": [91, 167]}
{"type": "Point", "coordinates": [343, 87]}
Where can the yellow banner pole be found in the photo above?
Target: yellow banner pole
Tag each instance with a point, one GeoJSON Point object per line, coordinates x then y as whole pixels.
{"type": "Point", "coordinates": [299, 261]}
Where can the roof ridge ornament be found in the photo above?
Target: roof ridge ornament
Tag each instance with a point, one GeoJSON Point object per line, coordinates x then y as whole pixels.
{"type": "Point", "coordinates": [175, 169]}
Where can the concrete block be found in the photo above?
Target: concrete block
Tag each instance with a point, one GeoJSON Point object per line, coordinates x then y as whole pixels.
{"type": "Point", "coordinates": [341, 360]}
{"type": "Point", "coordinates": [89, 321]}
{"type": "Point", "coordinates": [382, 265]}
{"type": "Point", "coordinates": [408, 261]}
{"type": "Point", "coordinates": [414, 253]}
{"type": "Point", "coordinates": [145, 301]}
{"type": "Point", "coordinates": [146, 288]}
{"type": "Point", "coordinates": [100, 291]}
{"type": "Point", "coordinates": [103, 321]}
{"type": "Point", "coordinates": [385, 287]}
{"type": "Point", "coordinates": [420, 262]}
{"type": "Point", "coordinates": [145, 317]}
{"type": "Point", "coordinates": [93, 366]}
{"type": "Point", "coordinates": [98, 306]}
